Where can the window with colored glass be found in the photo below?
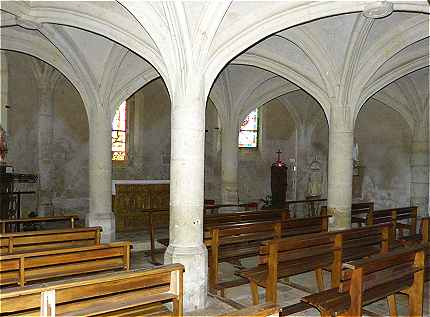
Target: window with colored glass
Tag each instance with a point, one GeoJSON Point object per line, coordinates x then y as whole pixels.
{"type": "Point", "coordinates": [119, 131]}
{"type": "Point", "coordinates": [248, 133]}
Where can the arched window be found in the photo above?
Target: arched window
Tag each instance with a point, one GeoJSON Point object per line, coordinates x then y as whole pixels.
{"type": "Point", "coordinates": [119, 137]}
{"type": "Point", "coordinates": [248, 133]}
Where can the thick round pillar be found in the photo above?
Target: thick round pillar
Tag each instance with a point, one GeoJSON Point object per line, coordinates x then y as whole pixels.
{"type": "Point", "coordinates": [229, 163]}
{"type": "Point", "coordinates": [3, 90]}
{"type": "Point", "coordinates": [340, 167]}
{"type": "Point", "coordinates": [419, 171]}
{"type": "Point", "coordinates": [100, 175]}
{"type": "Point", "coordinates": [187, 195]}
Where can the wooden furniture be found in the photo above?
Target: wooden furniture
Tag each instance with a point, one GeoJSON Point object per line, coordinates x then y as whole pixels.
{"type": "Point", "coordinates": [396, 216]}
{"type": "Point", "coordinates": [421, 238]}
{"type": "Point", "coordinates": [299, 226]}
{"type": "Point", "coordinates": [5, 223]}
{"type": "Point", "coordinates": [233, 243]}
{"type": "Point", "coordinates": [44, 265]}
{"type": "Point", "coordinates": [267, 309]}
{"type": "Point", "coordinates": [214, 208]}
{"type": "Point", "coordinates": [359, 212]}
{"type": "Point", "coordinates": [30, 241]}
{"type": "Point", "coordinates": [140, 292]}
{"type": "Point", "coordinates": [131, 201]}
{"type": "Point", "coordinates": [375, 278]}
{"type": "Point", "coordinates": [318, 251]}
{"type": "Point", "coordinates": [287, 257]}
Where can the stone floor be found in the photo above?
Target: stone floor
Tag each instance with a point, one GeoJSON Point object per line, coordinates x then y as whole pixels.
{"type": "Point", "coordinates": [287, 295]}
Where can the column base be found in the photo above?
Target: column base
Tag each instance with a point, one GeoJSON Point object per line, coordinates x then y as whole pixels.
{"type": "Point", "coordinates": [340, 218]}
{"type": "Point", "coordinates": [195, 261]}
{"type": "Point", "coordinates": [106, 221]}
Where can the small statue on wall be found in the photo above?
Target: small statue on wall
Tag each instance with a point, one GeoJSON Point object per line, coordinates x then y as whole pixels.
{"type": "Point", "coordinates": [315, 179]}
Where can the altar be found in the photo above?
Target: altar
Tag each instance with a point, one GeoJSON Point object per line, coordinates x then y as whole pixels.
{"type": "Point", "coordinates": [134, 200]}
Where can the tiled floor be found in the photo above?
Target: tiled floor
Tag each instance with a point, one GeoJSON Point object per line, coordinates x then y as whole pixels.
{"type": "Point", "coordinates": [287, 295]}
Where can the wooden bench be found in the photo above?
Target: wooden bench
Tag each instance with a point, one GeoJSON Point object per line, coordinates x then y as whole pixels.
{"type": "Point", "coordinates": [267, 309]}
{"type": "Point", "coordinates": [214, 208]}
{"type": "Point", "coordinates": [30, 241]}
{"type": "Point", "coordinates": [232, 218]}
{"type": "Point", "coordinates": [44, 265]}
{"type": "Point", "coordinates": [375, 278]}
{"type": "Point", "coordinates": [314, 252]}
{"type": "Point", "coordinates": [231, 243]}
{"type": "Point", "coordinates": [140, 292]}
{"type": "Point", "coordinates": [287, 257]}
{"type": "Point", "coordinates": [422, 237]}
{"type": "Point", "coordinates": [359, 212]}
{"type": "Point", "coordinates": [5, 223]}
{"type": "Point", "coordinates": [395, 216]}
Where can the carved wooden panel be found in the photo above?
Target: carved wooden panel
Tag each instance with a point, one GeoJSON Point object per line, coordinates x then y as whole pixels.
{"type": "Point", "coordinates": [132, 200]}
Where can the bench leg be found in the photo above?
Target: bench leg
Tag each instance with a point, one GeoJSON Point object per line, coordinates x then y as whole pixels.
{"type": "Point", "coordinates": [320, 279]}
{"type": "Point", "coordinates": [392, 305]}
{"type": "Point", "coordinates": [254, 293]}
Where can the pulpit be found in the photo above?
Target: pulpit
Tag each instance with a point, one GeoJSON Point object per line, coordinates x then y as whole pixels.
{"type": "Point", "coordinates": [278, 180]}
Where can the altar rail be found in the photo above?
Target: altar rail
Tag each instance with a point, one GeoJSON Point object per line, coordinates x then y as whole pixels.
{"type": "Point", "coordinates": [132, 203]}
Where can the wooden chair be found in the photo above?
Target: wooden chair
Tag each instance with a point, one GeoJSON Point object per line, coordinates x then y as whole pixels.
{"type": "Point", "coordinates": [287, 257]}
{"type": "Point", "coordinates": [29, 241]}
{"type": "Point", "coordinates": [7, 222]}
{"type": "Point", "coordinates": [372, 279]}
{"type": "Point", "coordinates": [45, 265]}
{"type": "Point", "coordinates": [140, 292]}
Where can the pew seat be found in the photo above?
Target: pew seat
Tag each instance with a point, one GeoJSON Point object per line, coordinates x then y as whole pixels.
{"type": "Point", "coordinates": [377, 277]}
{"type": "Point", "coordinates": [22, 268]}
{"type": "Point", "coordinates": [30, 241]}
{"type": "Point", "coordinates": [139, 292]}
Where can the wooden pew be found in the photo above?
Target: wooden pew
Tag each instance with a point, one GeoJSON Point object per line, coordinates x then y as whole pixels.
{"type": "Point", "coordinates": [359, 212]}
{"type": "Point", "coordinates": [267, 309]}
{"type": "Point", "coordinates": [230, 243]}
{"type": "Point", "coordinates": [231, 218]}
{"type": "Point", "coordinates": [30, 241]}
{"type": "Point", "coordinates": [287, 257]}
{"type": "Point", "coordinates": [140, 292]}
{"type": "Point", "coordinates": [5, 223]}
{"type": "Point", "coordinates": [233, 242]}
{"type": "Point", "coordinates": [214, 208]}
{"type": "Point", "coordinates": [372, 279]}
{"type": "Point", "coordinates": [422, 237]}
{"type": "Point", "coordinates": [44, 265]}
{"type": "Point", "coordinates": [314, 252]}
{"type": "Point", "coordinates": [395, 216]}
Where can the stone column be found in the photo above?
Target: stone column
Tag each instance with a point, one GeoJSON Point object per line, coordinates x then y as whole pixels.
{"type": "Point", "coordinates": [340, 167]}
{"type": "Point", "coordinates": [100, 174]}
{"type": "Point", "coordinates": [45, 142]}
{"type": "Point", "coordinates": [187, 195]}
{"type": "Point", "coordinates": [420, 170]}
{"type": "Point", "coordinates": [3, 91]}
{"type": "Point", "coordinates": [139, 103]}
{"type": "Point", "coordinates": [229, 163]}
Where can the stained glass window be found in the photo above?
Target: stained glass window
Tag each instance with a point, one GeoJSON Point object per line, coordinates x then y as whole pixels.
{"type": "Point", "coordinates": [248, 133]}
{"type": "Point", "coordinates": [119, 129]}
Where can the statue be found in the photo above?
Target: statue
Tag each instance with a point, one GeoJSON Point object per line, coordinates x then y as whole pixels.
{"type": "Point", "coordinates": [315, 179]}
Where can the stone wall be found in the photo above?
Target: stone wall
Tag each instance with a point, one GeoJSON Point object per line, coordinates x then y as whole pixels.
{"type": "Point", "coordinates": [384, 140]}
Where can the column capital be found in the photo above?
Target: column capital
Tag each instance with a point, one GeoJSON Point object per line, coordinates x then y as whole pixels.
{"type": "Point", "coordinates": [341, 118]}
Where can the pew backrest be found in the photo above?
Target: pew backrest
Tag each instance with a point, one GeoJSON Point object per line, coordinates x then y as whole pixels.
{"type": "Point", "coordinates": [395, 216]}
{"type": "Point", "coordinates": [101, 293]}
{"type": "Point", "coordinates": [44, 265]}
{"type": "Point", "coordinates": [29, 241]}
{"type": "Point", "coordinates": [4, 223]}
{"type": "Point", "coordinates": [299, 226]}
{"type": "Point", "coordinates": [371, 279]}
